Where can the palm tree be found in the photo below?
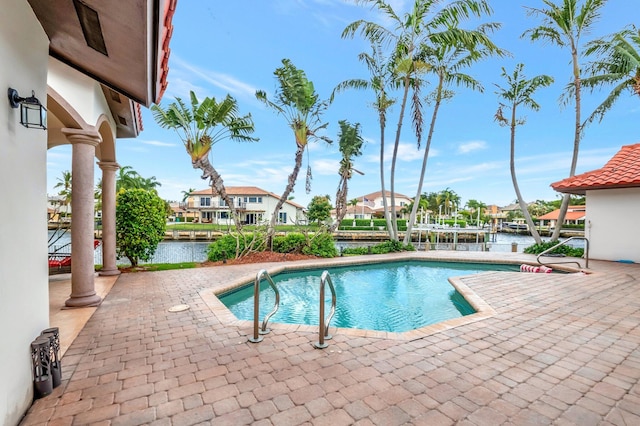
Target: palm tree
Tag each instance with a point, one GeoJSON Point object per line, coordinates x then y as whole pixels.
{"type": "Point", "coordinates": [446, 61]}
{"type": "Point", "coordinates": [202, 126]}
{"type": "Point", "coordinates": [563, 24]}
{"type": "Point", "coordinates": [427, 22]}
{"type": "Point", "coordinates": [65, 192]}
{"type": "Point", "coordinates": [127, 178]}
{"type": "Point", "coordinates": [619, 65]}
{"type": "Point", "coordinates": [519, 91]}
{"type": "Point", "coordinates": [381, 80]}
{"type": "Point", "coordinates": [97, 195]}
{"type": "Point", "coordinates": [185, 194]}
{"type": "Point", "coordinates": [297, 101]}
{"type": "Point", "coordinates": [350, 146]}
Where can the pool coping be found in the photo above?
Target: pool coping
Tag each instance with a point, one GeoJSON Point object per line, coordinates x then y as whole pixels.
{"type": "Point", "coordinates": [483, 309]}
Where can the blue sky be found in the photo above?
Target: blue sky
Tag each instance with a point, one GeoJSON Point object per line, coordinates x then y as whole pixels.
{"type": "Point", "coordinates": [234, 47]}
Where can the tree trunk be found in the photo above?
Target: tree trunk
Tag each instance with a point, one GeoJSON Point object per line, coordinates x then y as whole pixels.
{"type": "Point", "coordinates": [341, 202]}
{"type": "Point", "coordinates": [217, 184]}
{"type": "Point", "coordinates": [512, 166]}
{"type": "Point", "coordinates": [385, 205]}
{"type": "Point", "coordinates": [394, 219]}
{"type": "Point", "coordinates": [576, 142]}
{"type": "Point", "coordinates": [414, 209]}
{"type": "Point", "coordinates": [290, 185]}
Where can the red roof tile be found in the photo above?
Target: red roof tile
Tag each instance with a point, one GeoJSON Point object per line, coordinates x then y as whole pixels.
{"type": "Point", "coordinates": [622, 171]}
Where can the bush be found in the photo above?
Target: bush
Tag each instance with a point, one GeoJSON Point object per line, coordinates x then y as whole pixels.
{"type": "Point", "coordinates": [290, 243]}
{"type": "Point", "coordinates": [140, 224]}
{"type": "Point", "coordinates": [225, 246]}
{"type": "Point", "coordinates": [562, 250]}
{"type": "Point", "coordinates": [321, 245]}
{"type": "Point", "coordinates": [382, 248]}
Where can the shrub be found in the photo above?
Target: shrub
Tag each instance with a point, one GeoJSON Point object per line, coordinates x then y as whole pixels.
{"type": "Point", "coordinates": [381, 248]}
{"type": "Point", "coordinates": [225, 246]}
{"type": "Point", "coordinates": [321, 245]}
{"type": "Point", "coordinates": [565, 250]}
{"type": "Point", "coordinates": [140, 224]}
{"type": "Point", "coordinates": [290, 243]}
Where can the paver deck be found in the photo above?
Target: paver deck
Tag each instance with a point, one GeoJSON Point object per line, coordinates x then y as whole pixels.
{"type": "Point", "coordinates": [557, 349]}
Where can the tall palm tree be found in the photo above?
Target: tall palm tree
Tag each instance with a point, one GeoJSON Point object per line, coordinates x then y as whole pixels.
{"type": "Point", "coordinates": [200, 127]}
{"type": "Point", "coordinates": [297, 101]}
{"type": "Point", "coordinates": [428, 22]}
{"type": "Point", "coordinates": [381, 80]}
{"type": "Point", "coordinates": [446, 62]}
{"type": "Point", "coordinates": [519, 91]}
{"type": "Point", "coordinates": [350, 146]}
{"type": "Point", "coordinates": [619, 65]}
{"type": "Point", "coordinates": [564, 24]}
{"type": "Point", "coordinates": [64, 183]}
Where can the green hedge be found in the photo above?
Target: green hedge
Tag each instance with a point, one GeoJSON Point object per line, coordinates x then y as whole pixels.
{"type": "Point", "coordinates": [562, 250]}
{"type": "Point", "coordinates": [381, 248]}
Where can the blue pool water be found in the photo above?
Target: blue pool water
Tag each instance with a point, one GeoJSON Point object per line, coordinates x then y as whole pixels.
{"type": "Point", "coordinates": [393, 297]}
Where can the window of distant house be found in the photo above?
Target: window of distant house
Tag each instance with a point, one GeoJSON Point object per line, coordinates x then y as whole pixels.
{"type": "Point", "coordinates": [205, 201]}
{"type": "Point", "coordinates": [224, 215]}
{"type": "Point", "coordinates": [282, 217]}
{"type": "Point", "coordinates": [359, 216]}
{"type": "Point", "coordinates": [222, 203]}
{"type": "Point", "coordinates": [402, 203]}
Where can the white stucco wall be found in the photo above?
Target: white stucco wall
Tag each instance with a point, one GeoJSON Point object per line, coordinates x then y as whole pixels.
{"type": "Point", "coordinates": [24, 295]}
{"type": "Point", "coordinates": [610, 225]}
{"type": "Point", "coordinates": [83, 93]}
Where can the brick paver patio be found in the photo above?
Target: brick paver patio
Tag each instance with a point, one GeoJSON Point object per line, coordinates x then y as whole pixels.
{"type": "Point", "coordinates": [557, 349]}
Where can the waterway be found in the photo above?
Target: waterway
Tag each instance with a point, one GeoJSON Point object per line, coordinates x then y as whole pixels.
{"type": "Point", "coordinates": [196, 251]}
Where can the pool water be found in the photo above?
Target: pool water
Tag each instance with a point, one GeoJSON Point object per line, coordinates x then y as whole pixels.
{"type": "Point", "coordinates": [394, 297]}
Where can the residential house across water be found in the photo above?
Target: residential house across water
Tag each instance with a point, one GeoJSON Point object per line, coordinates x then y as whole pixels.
{"type": "Point", "coordinates": [255, 206]}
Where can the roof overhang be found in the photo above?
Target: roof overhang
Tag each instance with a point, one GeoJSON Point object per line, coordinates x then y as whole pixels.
{"type": "Point", "coordinates": [121, 44]}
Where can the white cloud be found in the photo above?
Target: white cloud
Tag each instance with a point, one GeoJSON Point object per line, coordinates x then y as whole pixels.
{"type": "Point", "coordinates": [325, 167]}
{"type": "Point", "coordinates": [471, 146]}
{"type": "Point", "coordinates": [157, 143]}
{"type": "Point", "coordinates": [225, 82]}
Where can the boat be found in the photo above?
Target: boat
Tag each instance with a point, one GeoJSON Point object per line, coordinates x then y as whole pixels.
{"type": "Point", "coordinates": [516, 226]}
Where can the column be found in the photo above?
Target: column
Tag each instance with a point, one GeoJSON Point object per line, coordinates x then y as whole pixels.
{"type": "Point", "coordinates": [109, 169]}
{"type": "Point", "coordinates": [83, 143]}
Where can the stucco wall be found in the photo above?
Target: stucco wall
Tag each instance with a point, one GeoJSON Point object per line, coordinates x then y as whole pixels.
{"type": "Point", "coordinates": [80, 91]}
{"type": "Point", "coordinates": [611, 226]}
{"type": "Point", "coordinates": [24, 296]}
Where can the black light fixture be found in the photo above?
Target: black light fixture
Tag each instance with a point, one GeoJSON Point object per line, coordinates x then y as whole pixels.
{"type": "Point", "coordinates": [32, 114]}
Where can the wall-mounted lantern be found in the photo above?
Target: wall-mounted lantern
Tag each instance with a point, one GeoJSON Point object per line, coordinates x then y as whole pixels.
{"type": "Point", "coordinates": [32, 113]}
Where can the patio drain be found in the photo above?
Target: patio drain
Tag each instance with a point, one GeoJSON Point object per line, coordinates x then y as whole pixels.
{"type": "Point", "coordinates": [178, 308]}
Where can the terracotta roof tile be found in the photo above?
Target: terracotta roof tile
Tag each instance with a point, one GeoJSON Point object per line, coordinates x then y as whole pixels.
{"type": "Point", "coordinates": [622, 171]}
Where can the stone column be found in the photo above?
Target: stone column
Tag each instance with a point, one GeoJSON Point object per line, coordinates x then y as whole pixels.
{"type": "Point", "coordinates": [83, 143]}
{"type": "Point", "coordinates": [109, 169]}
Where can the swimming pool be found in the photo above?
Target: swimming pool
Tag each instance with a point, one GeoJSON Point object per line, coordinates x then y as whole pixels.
{"type": "Point", "coordinates": [394, 296]}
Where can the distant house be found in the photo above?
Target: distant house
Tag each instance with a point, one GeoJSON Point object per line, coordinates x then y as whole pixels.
{"type": "Point", "coordinates": [255, 206]}
{"type": "Point", "coordinates": [575, 215]}
{"type": "Point", "coordinates": [371, 205]}
{"type": "Point", "coordinates": [613, 200]}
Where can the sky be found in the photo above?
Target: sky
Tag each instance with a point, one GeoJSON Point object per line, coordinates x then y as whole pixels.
{"type": "Point", "coordinates": [233, 47]}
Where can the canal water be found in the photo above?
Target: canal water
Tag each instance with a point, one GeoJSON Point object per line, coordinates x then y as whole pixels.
{"type": "Point", "coordinates": [196, 251]}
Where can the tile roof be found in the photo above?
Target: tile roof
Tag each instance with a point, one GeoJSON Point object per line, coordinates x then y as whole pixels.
{"type": "Point", "coordinates": [575, 215]}
{"type": "Point", "coordinates": [622, 171]}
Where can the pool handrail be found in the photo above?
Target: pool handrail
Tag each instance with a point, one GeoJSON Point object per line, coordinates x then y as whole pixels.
{"type": "Point", "coordinates": [561, 243]}
{"type": "Point", "coordinates": [323, 328]}
{"type": "Point", "coordinates": [256, 306]}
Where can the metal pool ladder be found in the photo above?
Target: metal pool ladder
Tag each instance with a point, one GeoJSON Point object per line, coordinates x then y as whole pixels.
{"type": "Point", "coordinates": [561, 243]}
{"type": "Point", "coordinates": [256, 306]}
{"type": "Point", "coordinates": [323, 328]}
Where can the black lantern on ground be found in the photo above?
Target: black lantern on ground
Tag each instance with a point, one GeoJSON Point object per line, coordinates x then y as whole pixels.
{"type": "Point", "coordinates": [32, 113]}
